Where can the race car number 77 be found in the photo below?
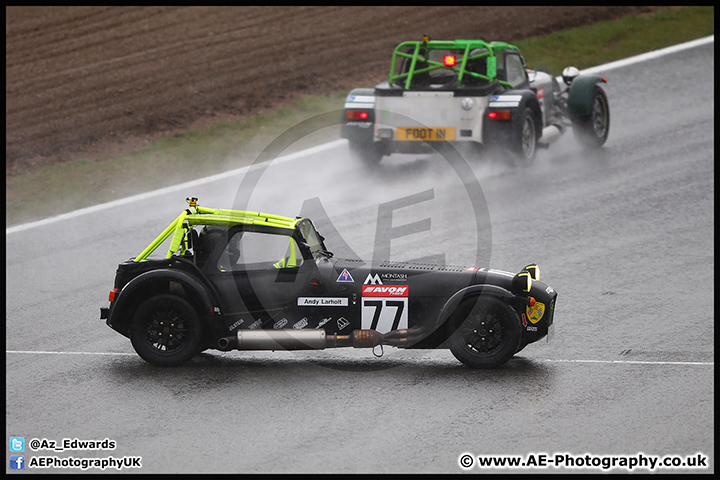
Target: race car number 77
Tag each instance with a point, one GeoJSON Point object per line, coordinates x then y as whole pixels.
{"type": "Point", "coordinates": [384, 314]}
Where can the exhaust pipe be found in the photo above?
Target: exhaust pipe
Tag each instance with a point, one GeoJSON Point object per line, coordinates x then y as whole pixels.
{"type": "Point", "coordinates": [275, 340]}
{"type": "Point", "coordinates": [550, 134]}
{"type": "Point", "coordinates": [287, 339]}
{"type": "Point", "coordinates": [297, 340]}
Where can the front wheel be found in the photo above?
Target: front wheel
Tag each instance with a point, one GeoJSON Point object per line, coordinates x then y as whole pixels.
{"type": "Point", "coordinates": [592, 130]}
{"type": "Point", "coordinates": [166, 331]}
{"type": "Point", "coordinates": [488, 336]}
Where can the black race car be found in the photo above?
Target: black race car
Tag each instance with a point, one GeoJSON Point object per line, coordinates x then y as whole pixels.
{"type": "Point", "coordinates": [253, 281]}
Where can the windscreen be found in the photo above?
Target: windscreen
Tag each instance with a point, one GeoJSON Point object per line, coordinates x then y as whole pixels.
{"type": "Point", "coordinates": [312, 238]}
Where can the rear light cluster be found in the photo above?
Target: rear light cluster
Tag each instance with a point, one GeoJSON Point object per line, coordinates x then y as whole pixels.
{"type": "Point", "coordinates": [499, 115]}
{"type": "Point", "coordinates": [112, 295]}
{"type": "Point", "coordinates": [357, 115]}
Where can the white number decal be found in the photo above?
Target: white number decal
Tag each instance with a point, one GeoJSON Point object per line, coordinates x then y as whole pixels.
{"type": "Point", "coordinates": [384, 313]}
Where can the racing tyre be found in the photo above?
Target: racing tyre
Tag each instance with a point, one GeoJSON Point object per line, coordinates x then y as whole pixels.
{"type": "Point", "coordinates": [366, 153]}
{"type": "Point", "coordinates": [166, 331]}
{"type": "Point", "coordinates": [592, 130]}
{"type": "Point", "coordinates": [489, 335]}
{"type": "Point", "coordinates": [523, 344]}
{"type": "Point", "coordinates": [523, 139]}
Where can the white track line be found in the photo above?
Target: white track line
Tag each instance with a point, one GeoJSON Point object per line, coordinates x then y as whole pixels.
{"type": "Point", "coordinates": [643, 57]}
{"type": "Point", "coordinates": [184, 186]}
{"type": "Point", "coordinates": [162, 191]}
{"type": "Point", "coordinates": [43, 352]}
{"type": "Point", "coordinates": [639, 362]}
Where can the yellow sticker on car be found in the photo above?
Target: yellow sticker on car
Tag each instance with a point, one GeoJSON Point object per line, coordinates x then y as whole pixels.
{"type": "Point", "coordinates": [433, 134]}
{"type": "Point", "coordinates": [536, 312]}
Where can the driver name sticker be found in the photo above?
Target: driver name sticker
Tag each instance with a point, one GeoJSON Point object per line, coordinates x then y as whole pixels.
{"type": "Point", "coordinates": [322, 302]}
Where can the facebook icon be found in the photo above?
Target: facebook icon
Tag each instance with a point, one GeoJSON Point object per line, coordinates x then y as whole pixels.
{"type": "Point", "coordinates": [17, 462]}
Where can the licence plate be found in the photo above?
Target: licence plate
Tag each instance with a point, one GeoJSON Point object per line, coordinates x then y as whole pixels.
{"type": "Point", "coordinates": [425, 134]}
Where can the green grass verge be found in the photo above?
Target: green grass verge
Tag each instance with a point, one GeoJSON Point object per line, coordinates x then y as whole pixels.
{"type": "Point", "coordinates": [608, 41]}
{"type": "Point", "coordinates": [229, 145]}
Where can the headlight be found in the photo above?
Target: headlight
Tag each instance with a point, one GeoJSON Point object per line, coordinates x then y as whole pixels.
{"type": "Point", "coordinates": [534, 271]}
{"type": "Point", "coordinates": [522, 282]}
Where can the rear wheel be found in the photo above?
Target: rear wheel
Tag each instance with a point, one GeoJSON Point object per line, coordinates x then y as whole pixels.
{"type": "Point", "coordinates": [367, 153]}
{"type": "Point", "coordinates": [166, 331]}
{"type": "Point", "coordinates": [592, 130]}
{"type": "Point", "coordinates": [523, 139]}
{"type": "Point", "coordinates": [488, 336]}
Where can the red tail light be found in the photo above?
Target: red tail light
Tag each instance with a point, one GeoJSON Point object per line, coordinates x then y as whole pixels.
{"type": "Point", "coordinates": [449, 60]}
{"type": "Point", "coordinates": [356, 115]}
{"type": "Point", "coordinates": [499, 115]}
{"type": "Point", "coordinates": [113, 292]}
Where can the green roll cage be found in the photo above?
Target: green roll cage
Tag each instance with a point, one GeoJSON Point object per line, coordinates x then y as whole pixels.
{"type": "Point", "coordinates": [195, 215]}
{"type": "Point", "coordinates": [420, 50]}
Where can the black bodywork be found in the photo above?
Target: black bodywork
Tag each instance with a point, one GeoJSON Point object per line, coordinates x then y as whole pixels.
{"type": "Point", "coordinates": [406, 305]}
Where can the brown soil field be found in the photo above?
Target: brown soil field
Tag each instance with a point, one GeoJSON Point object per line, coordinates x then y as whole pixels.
{"type": "Point", "coordinates": [94, 81]}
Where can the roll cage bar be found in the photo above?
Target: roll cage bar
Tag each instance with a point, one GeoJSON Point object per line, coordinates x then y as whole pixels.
{"type": "Point", "coordinates": [420, 51]}
{"type": "Point", "coordinates": [196, 215]}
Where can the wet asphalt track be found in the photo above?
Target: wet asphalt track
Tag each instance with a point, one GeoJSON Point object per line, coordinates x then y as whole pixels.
{"type": "Point", "coordinates": [624, 234]}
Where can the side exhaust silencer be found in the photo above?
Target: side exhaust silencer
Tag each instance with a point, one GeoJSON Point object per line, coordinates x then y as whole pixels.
{"type": "Point", "coordinates": [287, 339]}
{"type": "Point", "coordinates": [275, 340]}
{"type": "Point", "coordinates": [550, 134]}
